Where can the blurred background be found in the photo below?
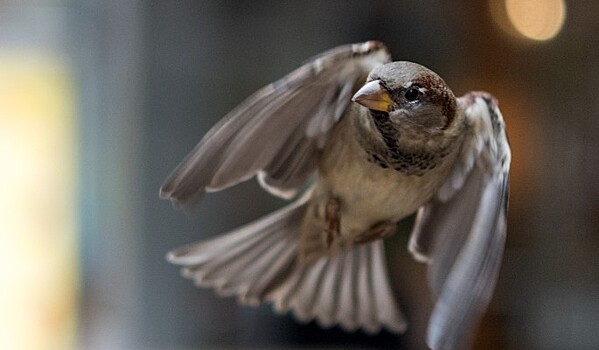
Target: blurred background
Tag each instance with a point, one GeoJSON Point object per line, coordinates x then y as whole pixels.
{"type": "Point", "coordinates": [100, 100]}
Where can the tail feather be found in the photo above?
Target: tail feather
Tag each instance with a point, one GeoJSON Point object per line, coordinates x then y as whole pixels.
{"type": "Point", "coordinates": [327, 302]}
{"type": "Point", "coordinates": [366, 306]}
{"type": "Point", "coordinates": [259, 263]}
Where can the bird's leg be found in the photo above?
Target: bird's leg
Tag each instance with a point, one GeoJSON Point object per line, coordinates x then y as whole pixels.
{"type": "Point", "coordinates": [377, 231]}
{"type": "Point", "coordinates": [332, 221]}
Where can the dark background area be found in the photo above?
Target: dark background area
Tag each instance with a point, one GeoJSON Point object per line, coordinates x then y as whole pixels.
{"type": "Point", "coordinates": [153, 76]}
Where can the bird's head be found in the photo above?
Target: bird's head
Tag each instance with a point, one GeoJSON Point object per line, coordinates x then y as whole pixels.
{"type": "Point", "coordinates": [410, 96]}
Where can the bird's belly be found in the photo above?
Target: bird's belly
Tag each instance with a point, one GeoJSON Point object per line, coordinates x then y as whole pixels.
{"type": "Point", "coordinates": [368, 195]}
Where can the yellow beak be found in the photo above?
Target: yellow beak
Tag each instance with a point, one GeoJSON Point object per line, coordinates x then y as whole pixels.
{"type": "Point", "coordinates": [373, 96]}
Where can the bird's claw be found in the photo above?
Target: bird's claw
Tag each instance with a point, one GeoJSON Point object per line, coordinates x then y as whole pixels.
{"type": "Point", "coordinates": [333, 222]}
{"type": "Point", "coordinates": [377, 231]}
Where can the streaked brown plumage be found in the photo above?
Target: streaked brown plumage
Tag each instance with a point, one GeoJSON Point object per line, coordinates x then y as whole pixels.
{"type": "Point", "coordinates": [407, 145]}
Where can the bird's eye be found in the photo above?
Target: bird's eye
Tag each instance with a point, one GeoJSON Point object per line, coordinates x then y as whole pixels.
{"type": "Point", "coordinates": [413, 94]}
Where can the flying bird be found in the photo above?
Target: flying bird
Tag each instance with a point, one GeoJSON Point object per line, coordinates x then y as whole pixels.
{"type": "Point", "coordinates": [359, 142]}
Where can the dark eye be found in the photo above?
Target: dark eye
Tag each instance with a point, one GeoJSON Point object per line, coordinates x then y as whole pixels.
{"type": "Point", "coordinates": [413, 94]}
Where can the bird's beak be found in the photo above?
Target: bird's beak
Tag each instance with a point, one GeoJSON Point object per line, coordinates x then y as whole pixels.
{"type": "Point", "coordinates": [374, 96]}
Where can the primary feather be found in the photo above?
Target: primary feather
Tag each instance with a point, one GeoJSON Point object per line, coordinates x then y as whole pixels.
{"type": "Point", "coordinates": [288, 119]}
{"type": "Point", "coordinates": [461, 233]}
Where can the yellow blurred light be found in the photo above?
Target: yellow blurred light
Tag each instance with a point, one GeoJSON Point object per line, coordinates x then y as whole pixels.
{"type": "Point", "coordinates": [536, 19]}
{"type": "Point", "coordinates": [38, 255]}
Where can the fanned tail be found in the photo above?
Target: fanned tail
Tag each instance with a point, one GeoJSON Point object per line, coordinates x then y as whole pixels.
{"type": "Point", "coordinates": [259, 263]}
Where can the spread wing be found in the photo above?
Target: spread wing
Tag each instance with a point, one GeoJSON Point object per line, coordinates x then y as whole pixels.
{"type": "Point", "coordinates": [461, 233]}
{"type": "Point", "coordinates": [277, 132]}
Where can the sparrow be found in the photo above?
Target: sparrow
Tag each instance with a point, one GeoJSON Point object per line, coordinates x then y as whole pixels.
{"type": "Point", "coordinates": [360, 142]}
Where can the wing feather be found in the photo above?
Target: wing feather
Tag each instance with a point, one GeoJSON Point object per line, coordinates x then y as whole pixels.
{"type": "Point", "coordinates": [282, 126]}
{"type": "Point", "coordinates": [461, 233]}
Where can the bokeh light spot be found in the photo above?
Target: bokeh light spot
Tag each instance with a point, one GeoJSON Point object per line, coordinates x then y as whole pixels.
{"type": "Point", "coordinates": [536, 19]}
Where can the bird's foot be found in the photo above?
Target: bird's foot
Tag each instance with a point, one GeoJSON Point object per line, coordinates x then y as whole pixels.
{"type": "Point", "coordinates": [332, 220]}
{"type": "Point", "coordinates": [377, 231]}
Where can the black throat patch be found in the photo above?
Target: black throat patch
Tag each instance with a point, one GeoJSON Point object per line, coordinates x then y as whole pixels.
{"type": "Point", "coordinates": [394, 157]}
